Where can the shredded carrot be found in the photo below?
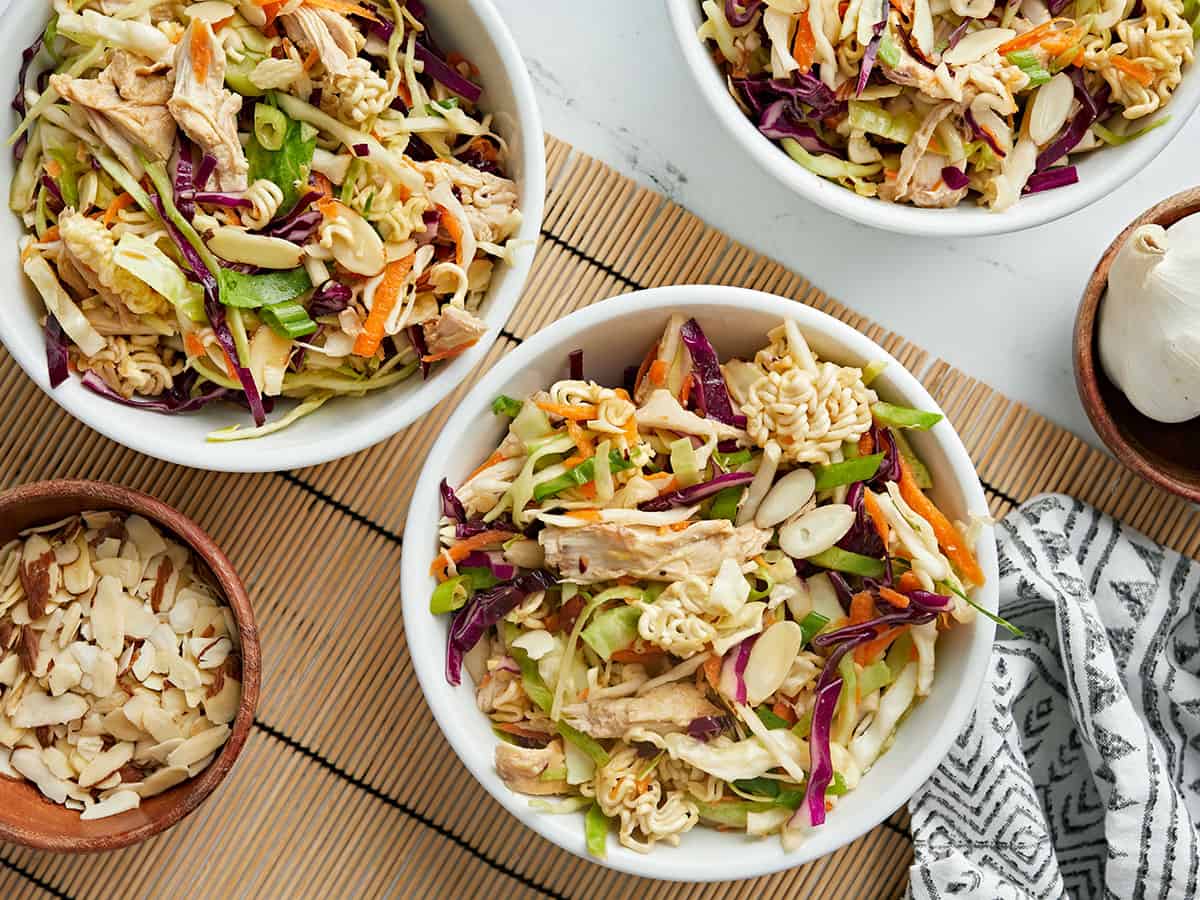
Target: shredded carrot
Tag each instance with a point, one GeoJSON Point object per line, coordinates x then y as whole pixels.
{"type": "Point", "coordinates": [781, 709]}
{"type": "Point", "coordinates": [909, 582]}
{"type": "Point", "coordinates": [50, 234]}
{"type": "Point", "coordinates": [804, 45]}
{"type": "Point", "coordinates": [657, 476]}
{"type": "Point", "coordinates": [951, 542]}
{"type": "Point", "coordinates": [580, 412]}
{"type": "Point", "coordinates": [686, 391]}
{"type": "Point", "coordinates": [637, 656]}
{"type": "Point", "coordinates": [866, 653]}
{"type": "Point", "coordinates": [454, 229]}
{"type": "Point", "coordinates": [1034, 35]}
{"type": "Point", "coordinates": [453, 351]}
{"type": "Point", "coordinates": [582, 442]}
{"type": "Point", "coordinates": [465, 548]}
{"type": "Point", "coordinates": [588, 490]}
{"type": "Point", "coordinates": [387, 295]}
{"type": "Point", "coordinates": [221, 23]}
{"type": "Point", "coordinates": [659, 370]}
{"type": "Point", "coordinates": [496, 457]}
{"type": "Point", "coordinates": [311, 60]}
{"type": "Point", "coordinates": [119, 203]}
{"type": "Point", "coordinates": [201, 51]}
{"type": "Point", "coordinates": [230, 365]}
{"type": "Point", "coordinates": [587, 515]}
{"type": "Point", "coordinates": [193, 344]}
{"type": "Point", "coordinates": [572, 461]}
{"type": "Point", "coordinates": [345, 8]}
{"type": "Point", "coordinates": [53, 167]}
{"type": "Point", "coordinates": [510, 728]}
{"type": "Point", "coordinates": [1140, 73]}
{"type": "Point", "coordinates": [671, 485]}
{"type": "Point", "coordinates": [683, 526]}
{"type": "Point", "coordinates": [644, 367]}
{"type": "Point", "coordinates": [1062, 41]}
{"type": "Point", "coordinates": [866, 444]}
{"type": "Point", "coordinates": [877, 517]}
{"type": "Point", "coordinates": [712, 671]}
{"type": "Point", "coordinates": [895, 598]}
{"type": "Point", "coordinates": [862, 608]}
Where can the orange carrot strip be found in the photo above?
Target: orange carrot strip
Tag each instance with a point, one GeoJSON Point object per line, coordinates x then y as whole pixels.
{"type": "Point", "coordinates": [862, 608]}
{"type": "Point", "coordinates": [582, 442]}
{"type": "Point", "coordinates": [895, 598]}
{"type": "Point", "coordinates": [465, 547]}
{"type": "Point", "coordinates": [387, 295]}
{"type": "Point", "coordinates": [867, 653]}
{"type": "Point", "coordinates": [712, 671]}
{"type": "Point", "coordinates": [877, 517]}
{"type": "Point", "coordinates": [496, 457]}
{"type": "Point", "coordinates": [781, 709]}
{"type": "Point", "coordinates": [637, 656]}
{"type": "Point", "coordinates": [588, 490]}
{"type": "Point", "coordinates": [572, 461]}
{"type": "Point", "coordinates": [311, 60]}
{"type": "Point", "coordinates": [201, 51]}
{"type": "Point", "coordinates": [909, 582]}
{"type": "Point", "coordinates": [951, 542]}
{"type": "Point", "coordinates": [51, 234]}
{"type": "Point", "coordinates": [686, 391]}
{"type": "Point", "coordinates": [587, 515]}
{"type": "Point", "coordinates": [454, 229]}
{"type": "Point", "coordinates": [804, 45]}
{"type": "Point", "coordinates": [53, 167]}
{"type": "Point", "coordinates": [644, 368]}
{"type": "Point", "coordinates": [866, 444]}
{"type": "Point", "coordinates": [119, 203]}
{"type": "Point", "coordinates": [658, 372]}
{"type": "Point", "coordinates": [453, 351]}
{"type": "Point", "coordinates": [581, 412]}
{"type": "Point", "coordinates": [1143, 75]}
{"type": "Point", "coordinates": [193, 344]}
{"type": "Point", "coordinates": [1033, 35]}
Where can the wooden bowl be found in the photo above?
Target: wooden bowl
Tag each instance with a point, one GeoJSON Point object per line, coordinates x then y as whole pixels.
{"type": "Point", "coordinates": [1164, 454]}
{"type": "Point", "coordinates": [26, 817]}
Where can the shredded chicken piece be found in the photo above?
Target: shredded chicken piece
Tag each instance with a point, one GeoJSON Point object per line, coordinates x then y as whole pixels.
{"type": "Point", "coordinates": [202, 106]}
{"type": "Point", "coordinates": [662, 410]}
{"type": "Point", "coordinates": [602, 551]}
{"type": "Point", "coordinates": [490, 201]}
{"type": "Point", "coordinates": [454, 329]}
{"type": "Point", "coordinates": [522, 768]}
{"type": "Point", "coordinates": [664, 709]}
{"type": "Point", "coordinates": [329, 34]}
{"type": "Point", "coordinates": [126, 105]}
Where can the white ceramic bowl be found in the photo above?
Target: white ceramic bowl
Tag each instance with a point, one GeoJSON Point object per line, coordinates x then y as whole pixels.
{"type": "Point", "coordinates": [344, 425]}
{"type": "Point", "coordinates": [1100, 173]}
{"type": "Point", "coordinates": [612, 335]}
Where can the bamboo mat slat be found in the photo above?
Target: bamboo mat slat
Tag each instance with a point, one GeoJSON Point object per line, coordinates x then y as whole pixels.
{"type": "Point", "coordinates": [346, 787]}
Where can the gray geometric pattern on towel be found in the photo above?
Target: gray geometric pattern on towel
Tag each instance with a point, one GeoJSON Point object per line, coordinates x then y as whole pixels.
{"type": "Point", "coordinates": [1079, 774]}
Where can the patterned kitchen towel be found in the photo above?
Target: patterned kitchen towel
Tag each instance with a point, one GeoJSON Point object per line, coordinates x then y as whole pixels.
{"type": "Point", "coordinates": [1079, 774]}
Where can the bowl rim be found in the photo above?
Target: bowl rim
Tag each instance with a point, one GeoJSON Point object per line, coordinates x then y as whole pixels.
{"type": "Point", "coordinates": [100, 495]}
{"type": "Point", "coordinates": [962, 221]}
{"type": "Point", "coordinates": [428, 662]}
{"type": "Point", "coordinates": [358, 432]}
{"type": "Point", "coordinates": [1088, 370]}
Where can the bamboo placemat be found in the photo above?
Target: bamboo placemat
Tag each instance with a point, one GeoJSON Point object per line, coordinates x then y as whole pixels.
{"type": "Point", "coordinates": [346, 787]}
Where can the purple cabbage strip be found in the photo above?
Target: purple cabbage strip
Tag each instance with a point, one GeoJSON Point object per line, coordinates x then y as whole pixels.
{"type": "Point", "coordinates": [841, 588]}
{"type": "Point", "coordinates": [736, 659]}
{"type": "Point", "coordinates": [862, 537]}
{"type": "Point", "coordinates": [810, 90]}
{"type": "Point", "coordinates": [27, 57]}
{"type": "Point", "coordinates": [416, 337]}
{"type": "Point", "coordinates": [431, 218]}
{"type": "Point", "coordinates": [300, 224]}
{"type": "Point", "coordinates": [956, 179]}
{"type": "Point", "coordinates": [981, 134]}
{"type": "Point", "coordinates": [889, 469]}
{"type": "Point", "coordinates": [708, 378]}
{"type": "Point", "coordinates": [575, 362]}
{"type": "Point", "coordinates": [56, 350]}
{"type": "Point", "coordinates": [777, 122]}
{"type": "Point", "coordinates": [1057, 6]}
{"type": "Point", "coordinates": [452, 507]}
{"type": "Point", "coordinates": [757, 93]}
{"type": "Point", "coordinates": [208, 165]}
{"type": "Point", "coordinates": [183, 181]}
{"type": "Point", "coordinates": [929, 600]}
{"type": "Point", "coordinates": [217, 199]}
{"type": "Point", "coordinates": [739, 18]}
{"type": "Point", "coordinates": [1092, 106]}
{"type": "Point", "coordinates": [361, 150]}
{"type": "Point", "coordinates": [440, 70]}
{"type": "Point", "coordinates": [55, 201]}
{"type": "Point", "coordinates": [868, 60]}
{"type": "Point", "coordinates": [476, 159]}
{"type": "Point", "coordinates": [696, 492]}
{"type": "Point", "coordinates": [483, 611]}
{"type": "Point", "coordinates": [472, 527]}
{"type": "Point", "coordinates": [706, 728]}
{"type": "Point", "coordinates": [912, 616]}
{"type": "Point", "coordinates": [176, 400]}
{"type": "Point", "coordinates": [1051, 179]}
{"type": "Point", "coordinates": [489, 559]}
{"type": "Point", "coordinates": [957, 34]}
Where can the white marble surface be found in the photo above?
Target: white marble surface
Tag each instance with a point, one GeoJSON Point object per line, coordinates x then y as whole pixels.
{"type": "Point", "coordinates": [611, 80]}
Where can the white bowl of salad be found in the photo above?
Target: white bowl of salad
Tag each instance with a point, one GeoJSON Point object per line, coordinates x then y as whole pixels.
{"type": "Point", "coordinates": [263, 236]}
{"type": "Point", "coordinates": [946, 118]}
{"type": "Point", "coordinates": [649, 554]}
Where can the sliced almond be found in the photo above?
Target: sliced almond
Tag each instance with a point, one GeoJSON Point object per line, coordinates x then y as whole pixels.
{"type": "Point", "coordinates": [37, 709]}
{"type": "Point", "coordinates": [201, 745]}
{"type": "Point", "coordinates": [816, 531]}
{"type": "Point", "coordinates": [1050, 108]}
{"type": "Point", "coordinates": [161, 780]}
{"type": "Point", "coordinates": [976, 45]}
{"type": "Point", "coordinates": [117, 803]}
{"type": "Point", "coordinates": [785, 498]}
{"type": "Point", "coordinates": [771, 659]}
{"type": "Point", "coordinates": [108, 616]}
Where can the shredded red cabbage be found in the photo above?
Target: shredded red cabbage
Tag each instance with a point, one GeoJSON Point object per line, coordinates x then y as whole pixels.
{"type": "Point", "coordinates": [432, 218]}
{"type": "Point", "coordinates": [1091, 107]}
{"type": "Point", "coordinates": [1051, 179]}
{"type": "Point", "coordinates": [741, 17]}
{"type": "Point", "coordinates": [957, 34]}
{"type": "Point", "coordinates": [178, 399]}
{"type": "Point", "coordinates": [416, 337]}
{"type": "Point", "coordinates": [440, 70]}
{"type": "Point", "coordinates": [18, 103]}
{"type": "Point", "coordinates": [472, 527]}
{"type": "Point", "coordinates": [452, 507]}
{"type": "Point", "coordinates": [733, 666]}
{"type": "Point", "coordinates": [483, 611]}
{"type": "Point", "coordinates": [56, 350]}
{"type": "Point", "coordinates": [182, 181]}
{"type": "Point", "coordinates": [706, 728]}
{"type": "Point", "coordinates": [929, 600]}
{"type": "Point", "coordinates": [982, 134]}
{"type": "Point", "coordinates": [208, 165]}
{"type": "Point", "coordinates": [806, 88]}
{"type": "Point", "coordinates": [868, 60]}
{"type": "Point", "coordinates": [55, 200]}
{"type": "Point", "coordinates": [889, 469]}
{"type": "Point", "coordinates": [492, 560]}
{"type": "Point", "coordinates": [956, 179]}
{"type": "Point", "coordinates": [708, 378]}
{"type": "Point", "coordinates": [300, 224]}
{"type": "Point", "coordinates": [862, 537]}
{"type": "Point", "coordinates": [777, 121]}
{"type": "Point", "coordinates": [575, 363]}
{"type": "Point", "coordinates": [840, 587]}
{"type": "Point", "coordinates": [913, 615]}
{"type": "Point", "coordinates": [361, 150]}
{"type": "Point", "coordinates": [696, 492]}
{"type": "Point", "coordinates": [217, 199]}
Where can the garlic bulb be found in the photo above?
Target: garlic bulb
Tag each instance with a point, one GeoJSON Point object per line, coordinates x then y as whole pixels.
{"type": "Point", "coordinates": [1150, 321]}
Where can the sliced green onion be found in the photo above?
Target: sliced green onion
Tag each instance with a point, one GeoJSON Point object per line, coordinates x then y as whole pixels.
{"type": "Point", "coordinates": [920, 471]}
{"type": "Point", "coordinates": [451, 594]}
{"type": "Point", "coordinates": [873, 677]}
{"type": "Point", "coordinates": [725, 503]}
{"type": "Point", "coordinates": [584, 742]}
{"type": "Point", "coordinates": [837, 787]}
{"type": "Point", "coordinates": [889, 53]}
{"type": "Point", "coordinates": [874, 119]}
{"type": "Point", "coordinates": [768, 718]}
{"type": "Point", "coordinates": [803, 728]}
{"type": "Point", "coordinates": [851, 563]}
{"type": "Point", "coordinates": [1002, 622]}
{"type": "Point", "coordinates": [732, 814]}
{"type": "Point", "coordinates": [811, 625]}
{"type": "Point", "coordinates": [861, 468]}
{"type": "Point", "coordinates": [288, 319]}
{"type": "Point", "coordinates": [1113, 139]}
{"type": "Point", "coordinates": [684, 464]}
{"type": "Point", "coordinates": [578, 476]}
{"type": "Point", "coordinates": [1027, 62]}
{"type": "Point", "coordinates": [730, 461]}
{"type": "Point", "coordinates": [873, 370]}
{"type": "Point", "coordinates": [505, 405]}
{"type": "Point", "coordinates": [903, 416]}
{"type": "Point", "coordinates": [270, 126]}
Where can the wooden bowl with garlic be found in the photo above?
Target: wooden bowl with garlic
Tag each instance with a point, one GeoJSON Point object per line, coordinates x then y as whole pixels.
{"type": "Point", "coordinates": [1137, 345]}
{"type": "Point", "coordinates": [129, 666]}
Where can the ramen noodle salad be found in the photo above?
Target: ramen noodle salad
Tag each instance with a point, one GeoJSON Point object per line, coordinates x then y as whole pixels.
{"type": "Point", "coordinates": [255, 201]}
{"type": "Point", "coordinates": [706, 596]}
{"type": "Point", "coordinates": [930, 102]}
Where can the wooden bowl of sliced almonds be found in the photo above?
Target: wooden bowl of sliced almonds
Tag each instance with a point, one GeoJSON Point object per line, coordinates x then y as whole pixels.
{"type": "Point", "coordinates": [129, 666]}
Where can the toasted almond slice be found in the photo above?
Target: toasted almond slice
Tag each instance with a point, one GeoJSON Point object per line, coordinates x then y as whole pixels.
{"type": "Point", "coordinates": [37, 709]}
{"type": "Point", "coordinates": [1050, 109]}
{"type": "Point", "coordinates": [106, 764]}
{"type": "Point", "coordinates": [816, 531]}
{"type": "Point", "coordinates": [108, 619]}
{"type": "Point", "coordinates": [785, 498]}
{"type": "Point", "coordinates": [161, 780]}
{"type": "Point", "coordinates": [201, 745]}
{"type": "Point", "coordinates": [771, 659]}
{"type": "Point", "coordinates": [117, 803]}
